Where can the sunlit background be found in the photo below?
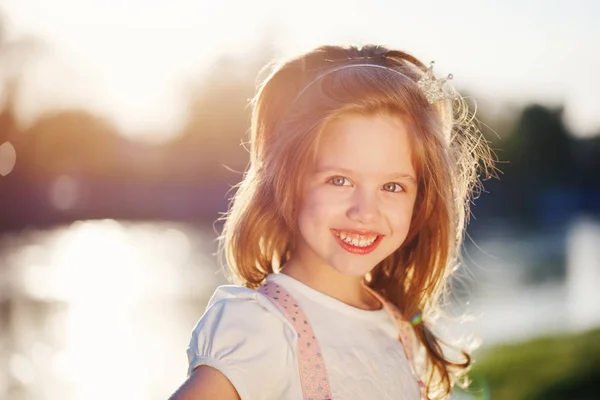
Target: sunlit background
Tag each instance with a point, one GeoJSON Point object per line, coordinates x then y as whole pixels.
{"type": "Point", "coordinates": [121, 125]}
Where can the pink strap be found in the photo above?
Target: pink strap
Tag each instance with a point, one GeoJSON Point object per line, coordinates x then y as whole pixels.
{"type": "Point", "coordinates": [406, 335]}
{"type": "Point", "coordinates": [313, 375]}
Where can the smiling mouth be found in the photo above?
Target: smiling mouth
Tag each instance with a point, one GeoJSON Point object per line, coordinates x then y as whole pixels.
{"type": "Point", "coordinates": [357, 243]}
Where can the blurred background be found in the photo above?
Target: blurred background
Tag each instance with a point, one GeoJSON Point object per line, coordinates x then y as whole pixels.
{"type": "Point", "coordinates": [121, 130]}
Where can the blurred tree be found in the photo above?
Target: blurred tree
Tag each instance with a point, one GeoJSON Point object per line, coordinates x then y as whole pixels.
{"type": "Point", "coordinates": [539, 155]}
{"type": "Point", "coordinates": [14, 54]}
{"type": "Point", "coordinates": [543, 147]}
{"type": "Point", "coordinates": [71, 142]}
{"type": "Point", "coordinates": [587, 154]}
{"type": "Point", "coordinates": [219, 120]}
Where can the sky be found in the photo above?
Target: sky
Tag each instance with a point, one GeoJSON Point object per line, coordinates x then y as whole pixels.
{"type": "Point", "coordinates": [132, 60]}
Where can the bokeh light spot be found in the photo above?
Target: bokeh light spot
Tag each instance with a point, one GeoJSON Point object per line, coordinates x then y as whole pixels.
{"type": "Point", "coordinates": [64, 192]}
{"type": "Point", "coordinates": [8, 158]}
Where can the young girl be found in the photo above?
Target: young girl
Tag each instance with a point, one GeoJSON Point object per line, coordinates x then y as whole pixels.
{"type": "Point", "coordinates": [342, 234]}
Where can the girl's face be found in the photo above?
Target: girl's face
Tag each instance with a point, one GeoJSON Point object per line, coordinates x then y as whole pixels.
{"type": "Point", "coordinates": [358, 200]}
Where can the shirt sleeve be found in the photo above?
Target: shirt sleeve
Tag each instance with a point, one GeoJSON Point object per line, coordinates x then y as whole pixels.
{"type": "Point", "coordinates": [246, 341]}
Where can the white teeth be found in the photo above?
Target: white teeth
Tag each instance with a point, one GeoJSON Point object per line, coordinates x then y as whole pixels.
{"type": "Point", "coordinates": [357, 240]}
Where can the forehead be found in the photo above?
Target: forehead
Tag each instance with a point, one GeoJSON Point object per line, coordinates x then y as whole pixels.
{"type": "Point", "coordinates": [369, 144]}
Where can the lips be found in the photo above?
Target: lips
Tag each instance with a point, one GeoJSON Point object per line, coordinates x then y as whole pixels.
{"type": "Point", "coordinates": [361, 250]}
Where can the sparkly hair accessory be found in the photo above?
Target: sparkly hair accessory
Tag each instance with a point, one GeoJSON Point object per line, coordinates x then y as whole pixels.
{"type": "Point", "coordinates": [416, 319]}
{"type": "Point", "coordinates": [432, 88]}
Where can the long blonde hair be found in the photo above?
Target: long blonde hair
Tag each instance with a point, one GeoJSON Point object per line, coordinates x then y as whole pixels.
{"type": "Point", "coordinates": [261, 225]}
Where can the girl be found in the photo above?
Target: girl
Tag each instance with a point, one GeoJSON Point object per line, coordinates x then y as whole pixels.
{"type": "Point", "coordinates": [342, 234]}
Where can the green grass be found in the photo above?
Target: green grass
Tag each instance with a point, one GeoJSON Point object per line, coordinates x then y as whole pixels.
{"type": "Point", "coordinates": [550, 368]}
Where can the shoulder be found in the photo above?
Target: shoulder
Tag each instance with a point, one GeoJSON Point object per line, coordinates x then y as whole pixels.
{"type": "Point", "coordinates": [240, 330]}
{"type": "Point", "coordinates": [234, 307]}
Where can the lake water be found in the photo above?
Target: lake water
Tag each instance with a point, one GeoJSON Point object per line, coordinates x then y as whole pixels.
{"type": "Point", "coordinates": [104, 309]}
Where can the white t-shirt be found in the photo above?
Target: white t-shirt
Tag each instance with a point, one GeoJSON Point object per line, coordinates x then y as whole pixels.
{"type": "Point", "coordinates": [248, 339]}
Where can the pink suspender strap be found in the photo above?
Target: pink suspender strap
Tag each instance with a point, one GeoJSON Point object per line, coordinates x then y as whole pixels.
{"type": "Point", "coordinates": [313, 375]}
{"type": "Point", "coordinates": [406, 335]}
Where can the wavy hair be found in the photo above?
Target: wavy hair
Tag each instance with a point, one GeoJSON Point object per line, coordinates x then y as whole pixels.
{"type": "Point", "coordinates": [290, 112]}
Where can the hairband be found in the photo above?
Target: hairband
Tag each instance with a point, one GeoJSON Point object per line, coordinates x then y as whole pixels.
{"type": "Point", "coordinates": [432, 88]}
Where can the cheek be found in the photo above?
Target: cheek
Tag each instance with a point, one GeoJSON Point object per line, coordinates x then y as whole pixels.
{"type": "Point", "coordinates": [400, 214]}
{"type": "Point", "coordinates": [318, 210]}
{"type": "Point", "coordinates": [309, 210]}
{"type": "Point", "coordinates": [321, 201]}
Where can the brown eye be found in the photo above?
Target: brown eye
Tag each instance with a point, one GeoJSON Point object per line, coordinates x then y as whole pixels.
{"type": "Point", "coordinates": [338, 181]}
{"type": "Point", "coordinates": [392, 187]}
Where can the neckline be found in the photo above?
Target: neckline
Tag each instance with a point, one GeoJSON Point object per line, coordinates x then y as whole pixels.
{"type": "Point", "coordinates": [315, 296]}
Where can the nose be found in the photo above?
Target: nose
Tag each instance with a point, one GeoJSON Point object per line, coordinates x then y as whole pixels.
{"type": "Point", "coordinates": [364, 207]}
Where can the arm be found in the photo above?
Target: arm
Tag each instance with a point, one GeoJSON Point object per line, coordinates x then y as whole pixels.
{"type": "Point", "coordinates": [206, 383]}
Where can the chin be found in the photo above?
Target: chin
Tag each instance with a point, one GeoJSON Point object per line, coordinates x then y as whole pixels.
{"type": "Point", "coordinates": [353, 270]}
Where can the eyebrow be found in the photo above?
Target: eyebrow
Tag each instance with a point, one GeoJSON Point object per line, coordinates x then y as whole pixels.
{"type": "Point", "coordinates": [393, 175]}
